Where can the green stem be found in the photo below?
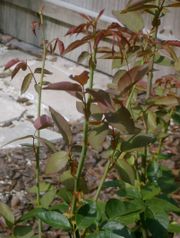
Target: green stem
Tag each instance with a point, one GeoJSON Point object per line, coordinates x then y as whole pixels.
{"type": "Point", "coordinates": [106, 170]}
{"type": "Point", "coordinates": [154, 32]}
{"type": "Point", "coordinates": [85, 136]}
{"type": "Point", "coordinates": [38, 132]}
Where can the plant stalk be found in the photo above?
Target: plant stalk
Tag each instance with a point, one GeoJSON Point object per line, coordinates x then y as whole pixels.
{"type": "Point", "coordinates": [85, 136]}
{"type": "Point", "coordinates": [106, 170]}
{"type": "Point", "coordinates": [154, 32]}
{"type": "Point", "coordinates": [38, 131]}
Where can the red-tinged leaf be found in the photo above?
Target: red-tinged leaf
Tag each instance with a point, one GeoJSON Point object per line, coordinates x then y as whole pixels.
{"type": "Point", "coordinates": [42, 122]}
{"type": "Point", "coordinates": [76, 29]}
{"type": "Point", "coordinates": [62, 125]}
{"type": "Point", "coordinates": [131, 77]}
{"type": "Point", "coordinates": [102, 98]}
{"type": "Point", "coordinates": [88, 18]}
{"type": "Point", "coordinates": [11, 63]}
{"type": "Point", "coordinates": [122, 121]}
{"type": "Point", "coordinates": [39, 70]}
{"type": "Point", "coordinates": [81, 78]}
{"type": "Point", "coordinates": [173, 42]}
{"type": "Point", "coordinates": [78, 95]}
{"type": "Point", "coordinates": [104, 50]}
{"type": "Point", "coordinates": [64, 86]}
{"type": "Point", "coordinates": [176, 4]}
{"type": "Point", "coordinates": [99, 36]}
{"type": "Point", "coordinates": [139, 7]}
{"type": "Point", "coordinates": [26, 83]}
{"type": "Point", "coordinates": [22, 65]}
{"type": "Point", "coordinates": [34, 26]}
{"type": "Point", "coordinates": [99, 15]}
{"type": "Point", "coordinates": [60, 46]}
{"type": "Point", "coordinates": [77, 44]}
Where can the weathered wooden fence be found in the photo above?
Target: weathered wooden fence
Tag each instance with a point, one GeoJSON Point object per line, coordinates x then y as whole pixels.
{"type": "Point", "coordinates": [16, 17]}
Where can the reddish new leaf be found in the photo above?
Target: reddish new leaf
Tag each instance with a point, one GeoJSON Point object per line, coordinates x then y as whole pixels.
{"type": "Point", "coordinates": [10, 63]}
{"type": "Point", "coordinates": [76, 29]}
{"type": "Point", "coordinates": [131, 77]}
{"type": "Point", "coordinates": [22, 65]}
{"type": "Point", "coordinates": [60, 45]}
{"type": "Point", "coordinates": [176, 4]}
{"type": "Point", "coordinates": [42, 122]}
{"type": "Point", "coordinates": [81, 78]}
{"type": "Point", "coordinates": [88, 18]}
{"type": "Point", "coordinates": [99, 15]}
{"type": "Point", "coordinates": [102, 98]}
{"type": "Point", "coordinates": [173, 43]}
{"type": "Point", "coordinates": [34, 26]}
{"type": "Point", "coordinates": [62, 125]}
{"type": "Point", "coordinates": [77, 43]}
{"type": "Point", "coordinates": [64, 86]}
{"type": "Point", "coordinates": [122, 121]}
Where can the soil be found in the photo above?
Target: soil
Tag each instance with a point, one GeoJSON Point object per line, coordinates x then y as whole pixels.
{"type": "Point", "coordinates": [17, 172]}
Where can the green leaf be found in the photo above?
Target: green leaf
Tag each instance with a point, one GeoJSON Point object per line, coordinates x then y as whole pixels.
{"type": "Point", "coordinates": [137, 142]}
{"type": "Point", "coordinates": [39, 70]}
{"type": "Point", "coordinates": [125, 212]}
{"type": "Point", "coordinates": [170, 100]}
{"type": "Point", "coordinates": [62, 125]}
{"type": "Point", "coordinates": [174, 228]}
{"type": "Point", "coordinates": [67, 180]}
{"type": "Point", "coordinates": [126, 171]}
{"type": "Point", "coordinates": [6, 213]}
{"type": "Point", "coordinates": [150, 191]}
{"type": "Point", "coordinates": [19, 138]}
{"type": "Point", "coordinates": [122, 121]}
{"type": "Point", "coordinates": [128, 190]}
{"type": "Point", "coordinates": [156, 220]}
{"type": "Point", "coordinates": [26, 82]}
{"type": "Point", "coordinates": [163, 203]}
{"type": "Point", "coordinates": [162, 60]}
{"type": "Point", "coordinates": [97, 136]}
{"type": "Point", "coordinates": [83, 56]}
{"type": "Point", "coordinates": [62, 207]}
{"type": "Point", "coordinates": [105, 234]}
{"type": "Point", "coordinates": [132, 20]}
{"type": "Point", "coordinates": [176, 115]}
{"type": "Point", "coordinates": [65, 195]}
{"type": "Point", "coordinates": [117, 228]}
{"type": "Point", "coordinates": [23, 232]}
{"type": "Point", "coordinates": [54, 219]}
{"type": "Point", "coordinates": [86, 215]}
{"type": "Point", "coordinates": [151, 120]}
{"type": "Point", "coordinates": [56, 162]}
{"type": "Point", "coordinates": [47, 198]}
{"type": "Point", "coordinates": [42, 186]}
